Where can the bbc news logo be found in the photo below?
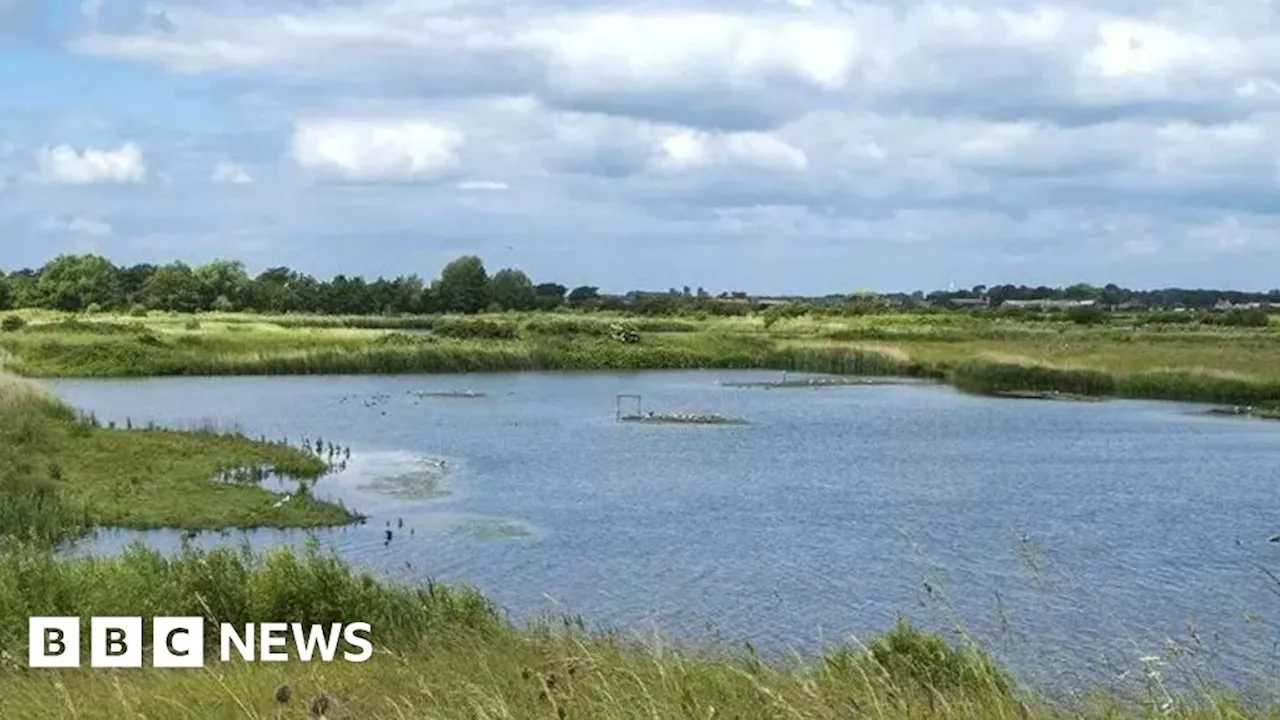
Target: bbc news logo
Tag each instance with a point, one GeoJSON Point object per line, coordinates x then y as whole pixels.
{"type": "Point", "coordinates": [179, 642]}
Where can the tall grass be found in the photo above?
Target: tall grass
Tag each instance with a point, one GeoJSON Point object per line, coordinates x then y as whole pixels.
{"type": "Point", "coordinates": [996, 376]}
{"type": "Point", "coordinates": [224, 585]}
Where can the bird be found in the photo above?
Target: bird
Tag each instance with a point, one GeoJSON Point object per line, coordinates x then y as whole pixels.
{"type": "Point", "coordinates": [1275, 538]}
{"type": "Point", "coordinates": [388, 536]}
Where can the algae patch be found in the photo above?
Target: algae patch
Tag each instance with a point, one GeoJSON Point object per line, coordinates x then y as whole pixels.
{"type": "Point", "coordinates": [493, 529]}
{"type": "Point", "coordinates": [423, 480]}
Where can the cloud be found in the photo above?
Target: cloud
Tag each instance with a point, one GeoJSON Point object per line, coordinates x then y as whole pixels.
{"type": "Point", "coordinates": [377, 150]}
{"type": "Point", "coordinates": [481, 185]}
{"type": "Point", "coordinates": [692, 150]}
{"type": "Point", "coordinates": [78, 225]}
{"type": "Point", "coordinates": [229, 173]}
{"type": "Point", "coordinates": [65, 165]}
{"type": "Point", "coordinates": [852, 142]}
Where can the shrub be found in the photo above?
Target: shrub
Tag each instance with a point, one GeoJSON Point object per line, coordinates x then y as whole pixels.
{"type": "Point", "coordinates": [475, 328]}
{"type": "Point", "coordinates": [192, 324]}
{"type": "Point", "coordinates": [1253, 317]}
{"type": "Point", "coordinates": [1086, 315]}
{"type": "Point", "coordinates": [12, 323]}
{"type": "Point", "coordinates": [138, 311]}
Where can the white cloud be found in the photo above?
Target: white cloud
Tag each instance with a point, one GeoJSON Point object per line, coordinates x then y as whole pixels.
{"type": "Point", "coordinates": [229, 173]}
{"type": "Point", "coordinates": [78, 225]}
{"type": "Point", "coordinates": [482, 185]}
{"type": "Point", "coordinates": [64, 164]}
{"type": "Point", "coordinates": [1002, 131]}
{"type": "Point", "coordinates": [377, 150]}
{"type": "Point", "coordinates": [690, 149]}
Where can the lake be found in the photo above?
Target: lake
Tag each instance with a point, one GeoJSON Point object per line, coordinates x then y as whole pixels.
{"type": "Point", "coordinates": [1071, 538]}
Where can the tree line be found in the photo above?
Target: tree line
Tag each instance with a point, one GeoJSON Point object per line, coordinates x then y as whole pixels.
{"type": "Point", "coordinates": [89, 282]}
{"type": "Point", "coordinates": [92, 283]}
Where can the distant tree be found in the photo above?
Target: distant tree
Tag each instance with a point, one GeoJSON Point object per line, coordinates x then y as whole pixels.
{"type": "Point", "coordinates": [73, 282]}
{"type": "Point", "coordinates": [583, 295]}
{"type": "Point", "coordinates": [464, 286]}
{"type": "Point", "coordinates": [174, 287]}
{"type": "Point", "coordinates": [132, 280]}
{"type": "Point", "coordinates": [406, 294]}
{"type": "Point", "coordinates": [280, 289]}
{"type": "Point", "coordinates": [549, 296]}
{"type": "Point", "coordinates": [22, 288]}
{"type": "Point", "coordinates": [6, 293]}
{"type": "Point", "coordinates": [511, 289]}
{"type": "Point", "coordinates": [223, 279]}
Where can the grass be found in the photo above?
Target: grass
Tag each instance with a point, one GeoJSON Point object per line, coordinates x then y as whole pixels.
{"type": "Point", "coordinates": [62, 474]}
{"type": "Point", "coordinates": [1129, 356]}
{"type": "Point", "coordinates": [446, 653]}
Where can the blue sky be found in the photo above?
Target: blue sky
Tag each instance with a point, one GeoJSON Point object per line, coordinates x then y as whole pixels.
{"type": "Point", "coordinates": [768, 145]}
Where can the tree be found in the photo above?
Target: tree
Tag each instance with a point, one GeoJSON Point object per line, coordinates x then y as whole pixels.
{"type": "Point", "coordinates": [74, 282]}
{"type": "Point", "coordinates": [549, 296]}
{"type": "Point", "coordinates": [223, 279]}
{"type": "Point", "coordinates": [583, 295]}
{"type": "Point", "coordinates": [132, 280]}
{"type": "Point", "coordinates": [511, 289]}
{"type": "Point", "coordinates": [463, 286]}
{"type": "Point", "coordinates": [174, 287]}
{"type": "Point", "coordinates": [6, 293]}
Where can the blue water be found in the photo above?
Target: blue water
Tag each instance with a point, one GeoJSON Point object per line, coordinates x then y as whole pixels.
{"type": "Point", "coordinates": [1070, 538]}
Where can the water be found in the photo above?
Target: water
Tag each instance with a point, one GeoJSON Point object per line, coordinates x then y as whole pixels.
{"type": "Point", "coordinates": [1072, 539]}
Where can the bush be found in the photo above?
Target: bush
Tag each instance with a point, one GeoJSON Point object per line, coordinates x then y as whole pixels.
{"type": "Point", "coordinates": [1087, 315]}
{"type": "Point", "coordinates": [1240, 318]}
{"type": "Point", "coordinates": [477, 329]}
{"type": "Point", "coordinates": [192, 324]}
{"type": "Point", "coordinates": [12, 323]}
{"type": "Point", "coordinates": [138, 311]}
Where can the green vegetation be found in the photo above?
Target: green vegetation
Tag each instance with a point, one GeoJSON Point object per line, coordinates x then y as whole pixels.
{"type": "Point", "coordinates": [446, 653]}
{"type": "Point", "coordinates": [1129, 356]}
{"type": "Point", "coordinates": [62, 474]}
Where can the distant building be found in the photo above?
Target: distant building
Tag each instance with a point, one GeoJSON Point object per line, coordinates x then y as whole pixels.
{"type": "Point", "coordinates": [969, 302]}
{"type": "Point", "coordinates": [1048, 304]}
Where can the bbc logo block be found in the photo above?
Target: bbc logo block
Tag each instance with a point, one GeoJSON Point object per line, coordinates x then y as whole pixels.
{"type": "Point", "coordinates": [116, 642]}
{"type": "Point", "coordinates": [179, 642]}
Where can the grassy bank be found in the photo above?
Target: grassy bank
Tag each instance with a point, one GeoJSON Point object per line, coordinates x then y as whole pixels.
{"type": "Point", "coordinates": [62, 473]}
{"type": "Point", "coordinates": [989, 353]}
{"type": "Point", "coordinates": [446, 653]}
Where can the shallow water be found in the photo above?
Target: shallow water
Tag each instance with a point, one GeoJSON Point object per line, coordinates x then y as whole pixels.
{"type": "Point", "coordinates": [1069, 537]}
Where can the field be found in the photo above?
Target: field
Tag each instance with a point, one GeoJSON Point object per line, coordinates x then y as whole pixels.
{"type": "Point", "coordinates": [1151, 356]}
{"type": "Point", "coordinates": [447, 652]}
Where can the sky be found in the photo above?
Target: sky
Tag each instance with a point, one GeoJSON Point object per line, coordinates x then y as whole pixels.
{"type": "Point", "coordinates": [773, 146]}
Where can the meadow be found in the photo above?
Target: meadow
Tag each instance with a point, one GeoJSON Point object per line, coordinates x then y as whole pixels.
{"type": "Point", "coordinates": [1159, 356]}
